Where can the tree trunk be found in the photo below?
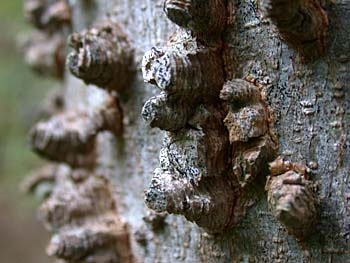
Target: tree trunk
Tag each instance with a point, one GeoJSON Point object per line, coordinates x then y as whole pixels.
{"type": "Point", "coordinates": [308, 101]}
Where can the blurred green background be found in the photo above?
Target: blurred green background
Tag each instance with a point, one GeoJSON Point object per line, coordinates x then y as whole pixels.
{"type": "Point", "coordinates": [22, 237]}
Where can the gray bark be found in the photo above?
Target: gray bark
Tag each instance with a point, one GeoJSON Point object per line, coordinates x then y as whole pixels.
{"type": "Point", "coordinates": [311, 105]}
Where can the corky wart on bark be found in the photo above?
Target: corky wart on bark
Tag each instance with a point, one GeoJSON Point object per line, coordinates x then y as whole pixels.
{"type": "Point", "coordinates": [207, 19]}
{"type": "Point", "coordinates": [302, 23]}
{"type": "Point", "coordinates": [251, 130]}
{"type": "Point", "coordinates": [201, 174]}
{"type": "Point", "coordinates": [48, 15]}
{"type": "Point", "coordinates": [291, 197]}
{"type": "Point", "coordinates": [181, 72]}
{"type": "Point", "coordinates": [214, 196]}
{"type": "Point", "coordinates": [71, 201]}
{"type": "Point", "coordinates": [45, 53]}
{"type": "Point", "coordinates": [44, 50]}
{"type": "Point", "coordinates": [198, 175]}
{"type": "Point", "coordinates": [41, 181]}
{"type": "Point", "coordinates": [70, 136]}
{"type": "Point", "coordinates": [82, 215]}
{"type": "Point", "coordinates": [102, 56]}
{"type": "Point", "coordinates": [195, 154]}
{"type": "Point", "coordinates": [104, 241]}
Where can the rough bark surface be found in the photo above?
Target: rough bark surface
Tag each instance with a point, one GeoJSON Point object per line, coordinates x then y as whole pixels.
{"type": "Point", "coordinates": [311, 106]}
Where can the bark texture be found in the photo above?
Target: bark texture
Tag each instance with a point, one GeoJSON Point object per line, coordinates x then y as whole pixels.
{"type": "Point", "coordinates": [307, 102]}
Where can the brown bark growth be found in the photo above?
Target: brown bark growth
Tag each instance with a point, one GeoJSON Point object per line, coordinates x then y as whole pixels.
{"type": "Point", "coordinates": [81, 213]}
{"type": "Point", "coordinates": [70, 136]}
{"type": "Point", "coordinates": [48, 15]}
{"type": "Point", "coordinates": [302, 23]}
{"type": "Point", "coordinates": [102, 56]}
{"type": "Point", "coordinates": [45, 53]}
{"type": "Point", "coordinates": [207, 19]}
{"type": "Point", "coordinates": [292, 198]}
{"type": "Point", "coordinates": [195, 178]}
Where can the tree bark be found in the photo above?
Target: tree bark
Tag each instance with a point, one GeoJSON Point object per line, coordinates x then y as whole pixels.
{"type": "Point", "coordinates": [310, 104]}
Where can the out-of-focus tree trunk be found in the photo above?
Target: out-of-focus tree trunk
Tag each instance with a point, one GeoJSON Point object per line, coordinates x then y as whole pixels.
{"type": "Point", "coordinates": [311, 104]}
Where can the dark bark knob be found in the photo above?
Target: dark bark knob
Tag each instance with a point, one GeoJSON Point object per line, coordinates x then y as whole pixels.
{"type": "Point", "coordinates": [207, 19]}
{"type": "Point", "coordinates": [303, 24]}
{"type": "Point", "coordinates": [102, 56]}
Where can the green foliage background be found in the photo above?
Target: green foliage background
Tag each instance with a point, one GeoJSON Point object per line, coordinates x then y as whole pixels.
{"type": "Point", "coordinates": [22, 238]}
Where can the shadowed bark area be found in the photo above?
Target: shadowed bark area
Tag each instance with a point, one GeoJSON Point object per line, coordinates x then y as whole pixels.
{"type": "Point", "coordinates": [309, 105]}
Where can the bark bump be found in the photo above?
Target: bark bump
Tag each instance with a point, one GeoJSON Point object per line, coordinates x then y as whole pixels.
{"type": "Point", "coordinates": [45, 53]}
{"type": "Point", "coordinates": [291, 197]}
{"type": "Point", "coordinates": [251, 130]}
{"type": "Point", "coordinates": [48, 14]}
{"type": "Point", "coordinates": [102, 56]}
{"type": "Point", "coordinates": [207, 19]}
{"type": "Point", "coordinates": [82, 215]}
{"type": "Point", "coordinates": [70, 136]}
{"type": "Point", "coordinates": [302, 24]}
{"type": "Point", "coordinates": [198, 175]}
{"type": "Point", "coordinates": [180, 71]}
